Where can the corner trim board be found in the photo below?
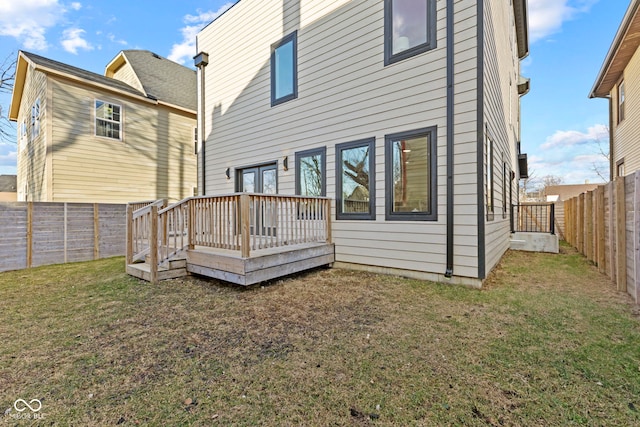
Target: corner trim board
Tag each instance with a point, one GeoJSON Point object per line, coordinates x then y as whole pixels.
{"type": "Point", "coordinates": [480, 140]}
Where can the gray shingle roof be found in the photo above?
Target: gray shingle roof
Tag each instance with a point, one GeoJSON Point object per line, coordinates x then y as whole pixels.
{"type": "Point", "coordinates": [83, 74]}
{"type": "Point", "coordinates": [164, 79]}
{"type": "Point", "coordinates": [8, 183]}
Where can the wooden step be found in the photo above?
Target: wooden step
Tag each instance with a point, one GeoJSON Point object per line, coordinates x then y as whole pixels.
{"type": "Point", "coordinates": [143, 271]}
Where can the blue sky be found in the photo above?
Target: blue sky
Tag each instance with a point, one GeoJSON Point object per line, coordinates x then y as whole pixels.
{"type": "Point", "coordinates": [560, 125]}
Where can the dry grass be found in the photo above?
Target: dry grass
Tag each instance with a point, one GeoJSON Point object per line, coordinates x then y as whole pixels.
{"type": "Point", "coordinates": [548, 342]}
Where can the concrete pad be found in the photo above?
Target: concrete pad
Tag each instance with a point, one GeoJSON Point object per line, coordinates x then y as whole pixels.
{"type": "Point", "coordinates": [535, 242]}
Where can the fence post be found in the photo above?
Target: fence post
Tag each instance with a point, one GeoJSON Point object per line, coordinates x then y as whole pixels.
{"type": "Point", "coordinates": [552, 219]}
{"type": "Point", "coordinates": [588, 224]}
{"type": "Point", "coordinates": [621, 238]}
{"type": "Point", "coordinates": [129, 255]}
{"type": "Point", "coordinates": [600, 230]}
{"type": "Point", "coordinates": [245, 215]}
{"type": "Point", "coordinates": [636, 234]}
{"type": "Point", "coordinates": [96, 231]}
{"type": "Point", "coordinates": [153, 245]}
{"type": "Point", "coordinates": [29, 234]}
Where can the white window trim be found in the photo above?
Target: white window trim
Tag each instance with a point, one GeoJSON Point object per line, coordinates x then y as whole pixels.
{"type": "Point", "coordinates": [95, 120]}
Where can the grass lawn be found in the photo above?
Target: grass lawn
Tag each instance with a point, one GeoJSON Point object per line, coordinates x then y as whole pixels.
{"type": "Point", "coordinates": [547, 342]}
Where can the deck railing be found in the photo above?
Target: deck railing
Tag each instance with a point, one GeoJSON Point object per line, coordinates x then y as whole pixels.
{"type": "Point", "coordinates": [240, 222]}
{"type": "Point", "coordinates": [139, 217]}
{"type": "Point", "coordinates": [533, 218]}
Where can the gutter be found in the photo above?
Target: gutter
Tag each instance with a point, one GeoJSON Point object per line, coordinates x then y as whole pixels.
{"type": "Point", "coordinates": [615, 46]}
{"type": "Point", "coordinates": [480, 141]}
{"type": "Point", "coordinates": [450, 140]}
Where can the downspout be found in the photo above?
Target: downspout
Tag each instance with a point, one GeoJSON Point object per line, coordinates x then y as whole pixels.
{"type": "Point", "coordinates": [200, 61]}
{"type": "Point", "coordinates": [480, 140]}
{"type": "Point", "coordinates": [450, 122]}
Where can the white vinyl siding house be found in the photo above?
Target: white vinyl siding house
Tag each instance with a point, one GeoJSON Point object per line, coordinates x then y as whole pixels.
{"type": "Point", "coordinates": [356, 93]}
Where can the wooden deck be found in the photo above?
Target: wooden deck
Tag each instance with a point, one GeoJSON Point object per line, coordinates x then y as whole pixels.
{"type": "Point", "coordinates": [227, 265]}
{"type": "Point", "coordinates": [242, 238]}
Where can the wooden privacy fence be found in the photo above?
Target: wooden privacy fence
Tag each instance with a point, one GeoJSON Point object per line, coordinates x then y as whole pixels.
{"type": "Point", "coordinates": [43, 233]}
{"type": "Point", "coordinates": [604, 225]}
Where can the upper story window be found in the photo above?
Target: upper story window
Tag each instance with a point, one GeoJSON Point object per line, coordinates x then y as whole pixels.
{"type": "Point", "coordinates": [35, 119]}
{"type": "Point", "coordinates": [23, 134]}
{"type": "Point", "coordinates": [409, 28]}
{"type": "Point", "coordinates": [284, 69]}
{"type": "Point", "coordinates": [489, 180]}
{"type": "Point", "coordinates": [108, 120]}
{"type": "Point", "coordinates": [355, 180]}
{"type": "Point", "coordinates": [411, 175]}
{"type": "Point", "coordinates": [621, 96]}
{"type": "Point", "coordinates": [311, 172]}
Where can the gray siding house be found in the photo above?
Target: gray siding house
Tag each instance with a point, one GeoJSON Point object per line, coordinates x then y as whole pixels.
{"type": "Point", "coordinates": [405, 113]}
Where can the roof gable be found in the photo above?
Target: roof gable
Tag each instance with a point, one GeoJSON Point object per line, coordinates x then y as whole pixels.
{"type": "Point", "coordinates": [50, 66]}
{"type": "Point", "coordinates": [160, 78]}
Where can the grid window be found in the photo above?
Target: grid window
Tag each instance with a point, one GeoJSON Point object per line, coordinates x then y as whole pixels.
{"type": "Point", "coordinates": [108, 120]}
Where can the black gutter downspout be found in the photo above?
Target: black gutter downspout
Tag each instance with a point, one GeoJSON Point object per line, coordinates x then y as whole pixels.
{"type": "Point", "coordinates": [450, 122]}
{"type": "Point", "coordinates": [201, 60]}
{"type": "Point", "coordinates": [482, 268]}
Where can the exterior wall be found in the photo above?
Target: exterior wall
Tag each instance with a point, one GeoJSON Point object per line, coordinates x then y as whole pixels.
{"type": "Point", "coordinates": [627, 132]}
{"type": "Point", "coordinates": [153, 160]}
{"type": "Point", "coordinates": [126, 74]}
{"type": "Point", "coordinates": [32, 179]}
{"type": "Point", "coordinates": [345, 93]}
{"type": "Point", "coordinates": [501, 121]}
{"type": "Point", "coordinates": [465, 240]}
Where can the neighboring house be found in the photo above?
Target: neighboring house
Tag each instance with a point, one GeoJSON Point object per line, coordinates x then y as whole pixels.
{"type": "Point", "coordinates": [407, 114]}
{"type": "Point", "coordinates": [8, 187]}
{"type": "Point", "coordinates": [619, 82]}
{"type": "Point", "coordinates": [124, 136]}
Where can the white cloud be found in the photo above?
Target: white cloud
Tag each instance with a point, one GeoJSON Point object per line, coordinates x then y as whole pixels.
{"type": "Point", "coordinates": [73, 40]}
{"type": "Point", "coordinates": [76, 6]}
{"type": "Point", "coordinates": [184, 51]}
{"type": "Point", "coordinates": [571, 138]}
{"type": "Point", "coordinates": [28, 20]}
{"type": "Point", "coordinates": [113, 39]}
{"type": "Point", "coordinates": [547, 16]}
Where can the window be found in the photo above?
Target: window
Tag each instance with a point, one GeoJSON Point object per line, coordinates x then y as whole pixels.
{"type": "Point", "coordinates": [35, 119]}
{"type": "Point", "coordinates": [489, 179]}
{"type": "Point", "coordinates": [621, 97]}
{"type": "Point", "coordinates": [23, 134]}
{"type": "Point", "coordinates": [355, 180]}
{"type": "Point", "coordinates": [108, 120]}
{"type": "Point", "coordinates": [311, 172]}
{"type": "Point", "coordinates": [504, 189]}
{"type": "Point", "coordinates": [411, 175]}
{"type": "Point", "coordinates": [284, 69]}
{"type": "Point", "coordinates": [620, 167]}
{"type": "Point", "coordinates": [409, 28]}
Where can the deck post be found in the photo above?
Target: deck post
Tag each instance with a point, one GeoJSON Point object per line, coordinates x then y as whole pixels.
{"type": "Point", "coordinates": [245, 227]}
{"type": "Point", "coordinates": [327, 204]}
{"type": "Point", "coordinates": [153, 245]}
{"type": "Point", "coordinates": [129, 258]}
